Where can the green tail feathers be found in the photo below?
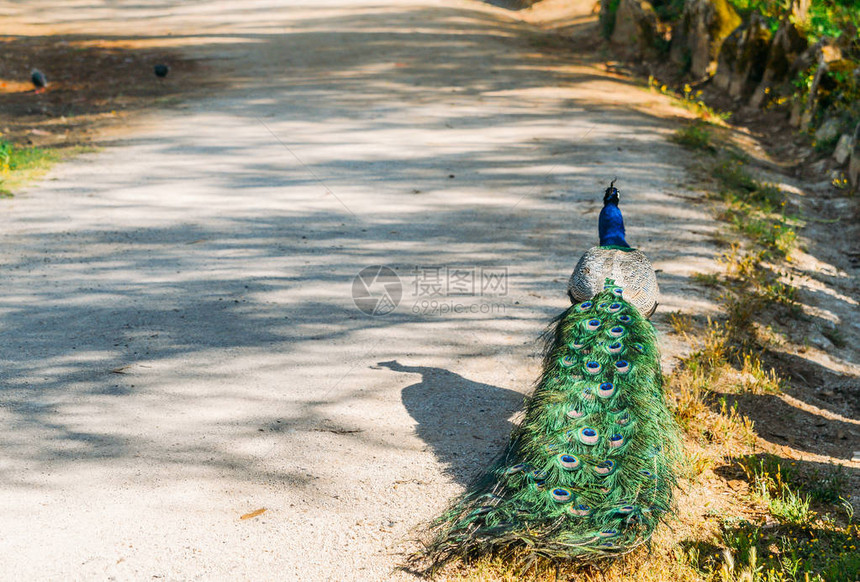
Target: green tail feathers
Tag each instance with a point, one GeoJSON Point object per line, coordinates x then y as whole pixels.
{"type": "Point", "coordinates": [590, 471]}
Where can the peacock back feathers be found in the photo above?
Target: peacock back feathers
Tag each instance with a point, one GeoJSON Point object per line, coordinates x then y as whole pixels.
{"type": "Point", "coordinates": [629, 268]}
{"type": "Point", "coordinates": [589, 472]}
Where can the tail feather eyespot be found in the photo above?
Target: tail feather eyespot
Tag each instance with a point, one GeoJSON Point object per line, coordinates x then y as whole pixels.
{"type": "Point", "coordinates": [615, 348]}
{"type": "Point", "coordinates": [569, 462]}
{"type": "Point", "coordinates": [606, 390]}
{"type": "Point", "coordinates": [561, 495]}
{"type": "Point", "coordinates": [588, 436]}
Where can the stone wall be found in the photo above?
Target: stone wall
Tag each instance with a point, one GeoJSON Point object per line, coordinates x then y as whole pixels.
{"type": "Point", "coordinates": [746, 62]}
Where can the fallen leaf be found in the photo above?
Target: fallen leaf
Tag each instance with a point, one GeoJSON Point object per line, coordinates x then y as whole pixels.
{"type": "Point", "coordinates": [338, 430]}
{"type": "Point", "coordinates": [254, 513]}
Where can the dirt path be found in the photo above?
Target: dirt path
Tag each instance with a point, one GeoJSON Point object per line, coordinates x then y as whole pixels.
{"type": "Point", "coordinates": [181, 346]}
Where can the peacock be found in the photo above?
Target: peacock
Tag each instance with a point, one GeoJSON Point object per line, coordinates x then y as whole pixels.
{"type": "Point", "coordinates": [590, 471]}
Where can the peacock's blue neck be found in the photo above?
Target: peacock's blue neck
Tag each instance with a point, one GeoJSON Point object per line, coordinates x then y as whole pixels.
{"type": "Point", "coordinates": [610, 225]}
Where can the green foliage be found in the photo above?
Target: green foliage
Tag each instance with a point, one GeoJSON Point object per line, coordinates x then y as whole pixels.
{"type": "Point", "coordinates": [838, 94]}
{"type": "Point", "coordinates": [771, 11]}
{"type": "Point", "coordinates": [829, 18]}
{"type": "Point", "coordinates": [832, 18]}
{"type": "Point", "coordinates": [668, 10]}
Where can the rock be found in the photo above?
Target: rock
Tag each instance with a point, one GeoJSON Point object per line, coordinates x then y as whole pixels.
{"type": "Point", "coordinates": [729, 56]}
{"type": "Point", "coordinates": [843, 149]}
{"type": "Point", "coordinates": [743, 55]}
{"type": "Point", "coordinates": [796, 113]}
{"type": "Point", "coordinates": [824, 52]}
{"type": "Point", "coordinates": [635, 30]}
{"type": "Point", "coordinates": [607, 18]}
{"type": "Point", "coordinates": [854, 162]}
{"type": "Point", "coordinates": [770, 522]}
{"type": "Point", "coordinates": [812, 98]}
{"type": "Point", "coordinates": [819, 341]}
{"type": "Point", "coordinates": [807, 58]}
{"type": "Point", "coordinates": [828, 130]}
{"type": "Point", "coordinates": [831, 53]}
{"type": "Point", "coordinates": [698, 36]}
{"type": "Point", "coordinates": [788, 44]}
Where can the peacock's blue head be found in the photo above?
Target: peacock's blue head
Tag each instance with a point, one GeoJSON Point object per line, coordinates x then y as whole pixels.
{"type": "Point", "coordinates": [610, 196]}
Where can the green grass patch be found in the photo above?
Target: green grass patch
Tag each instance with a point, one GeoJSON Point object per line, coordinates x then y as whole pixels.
{"type": "Point", "coordinates": [754, 208]}
{"type": "Point", "coordinates": [800, 546]}
{"type": "Point", "coordinates": [694, 136]}
{"type": "Point", "coordinates": [733, 176]}
{"type": "Point", "coordinates": [770, 478]}
{"type": "Point", "coordinates": [21, 163]}
{"type": "Point", "coordinates": [787, 554]}
{"type": "Point", "coordinates": [834, 334]}
{"type": "Point", "coordinates": [707, 279]}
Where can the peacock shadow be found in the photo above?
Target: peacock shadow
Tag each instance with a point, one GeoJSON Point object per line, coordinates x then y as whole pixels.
{"type": "Point", "coordinates": [465, 423]}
